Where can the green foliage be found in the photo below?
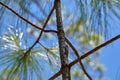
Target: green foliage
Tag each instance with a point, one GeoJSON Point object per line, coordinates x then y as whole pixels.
{"type": "Point", "coordinates": [86, 20]}
{"type": "Point", "coordinates": [15, 65]}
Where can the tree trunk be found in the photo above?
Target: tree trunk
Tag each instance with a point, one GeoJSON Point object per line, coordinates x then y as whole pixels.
{"type": "Point", "coordinates": [63, 48]}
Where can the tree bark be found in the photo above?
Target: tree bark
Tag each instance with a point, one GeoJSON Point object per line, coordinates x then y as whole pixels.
{"type": "Point", "coordinates": [63, 48]}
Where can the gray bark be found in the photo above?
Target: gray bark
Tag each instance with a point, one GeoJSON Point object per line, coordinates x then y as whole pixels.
{"type": "Point", "coordinates": [63, 48]}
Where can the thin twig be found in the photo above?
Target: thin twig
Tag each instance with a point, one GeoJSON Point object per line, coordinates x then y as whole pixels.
{"type": "Point", "coordinates": [56, 75]}
{"type": "Point", "coordinates": [87, 54]}
{"type": "Point", "coordinates": [27, 21]}
{"type": "Point", "coordinates": [95, 49]}
{"type": "Point", "coordinates": [37, 40]}
{"type": "Point", "coordinates": [77, 54]}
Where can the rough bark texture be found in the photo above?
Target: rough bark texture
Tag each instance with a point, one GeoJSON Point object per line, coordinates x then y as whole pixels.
{"type": "Point", "coordinates": [63, 48]}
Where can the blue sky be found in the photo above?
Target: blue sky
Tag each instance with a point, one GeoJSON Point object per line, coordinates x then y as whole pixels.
{"type": "Point", "coordinates": [110, 57]}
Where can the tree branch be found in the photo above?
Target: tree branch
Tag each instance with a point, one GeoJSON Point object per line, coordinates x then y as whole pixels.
{"type": "Point", "coordinates": [27, 21]}
{"type": "Point", "coordinates": [37, 40]}
{"type": "Point", "coordinates": [63, 48]}
{"type": "Point", "coordinates": [87, 54]}
{"type": "Point", "coordinates": [95, 49]}
{"type": "Point", "coordinates": [80, 62]}
{"type": "Point", "coordinates": [56, 75]}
